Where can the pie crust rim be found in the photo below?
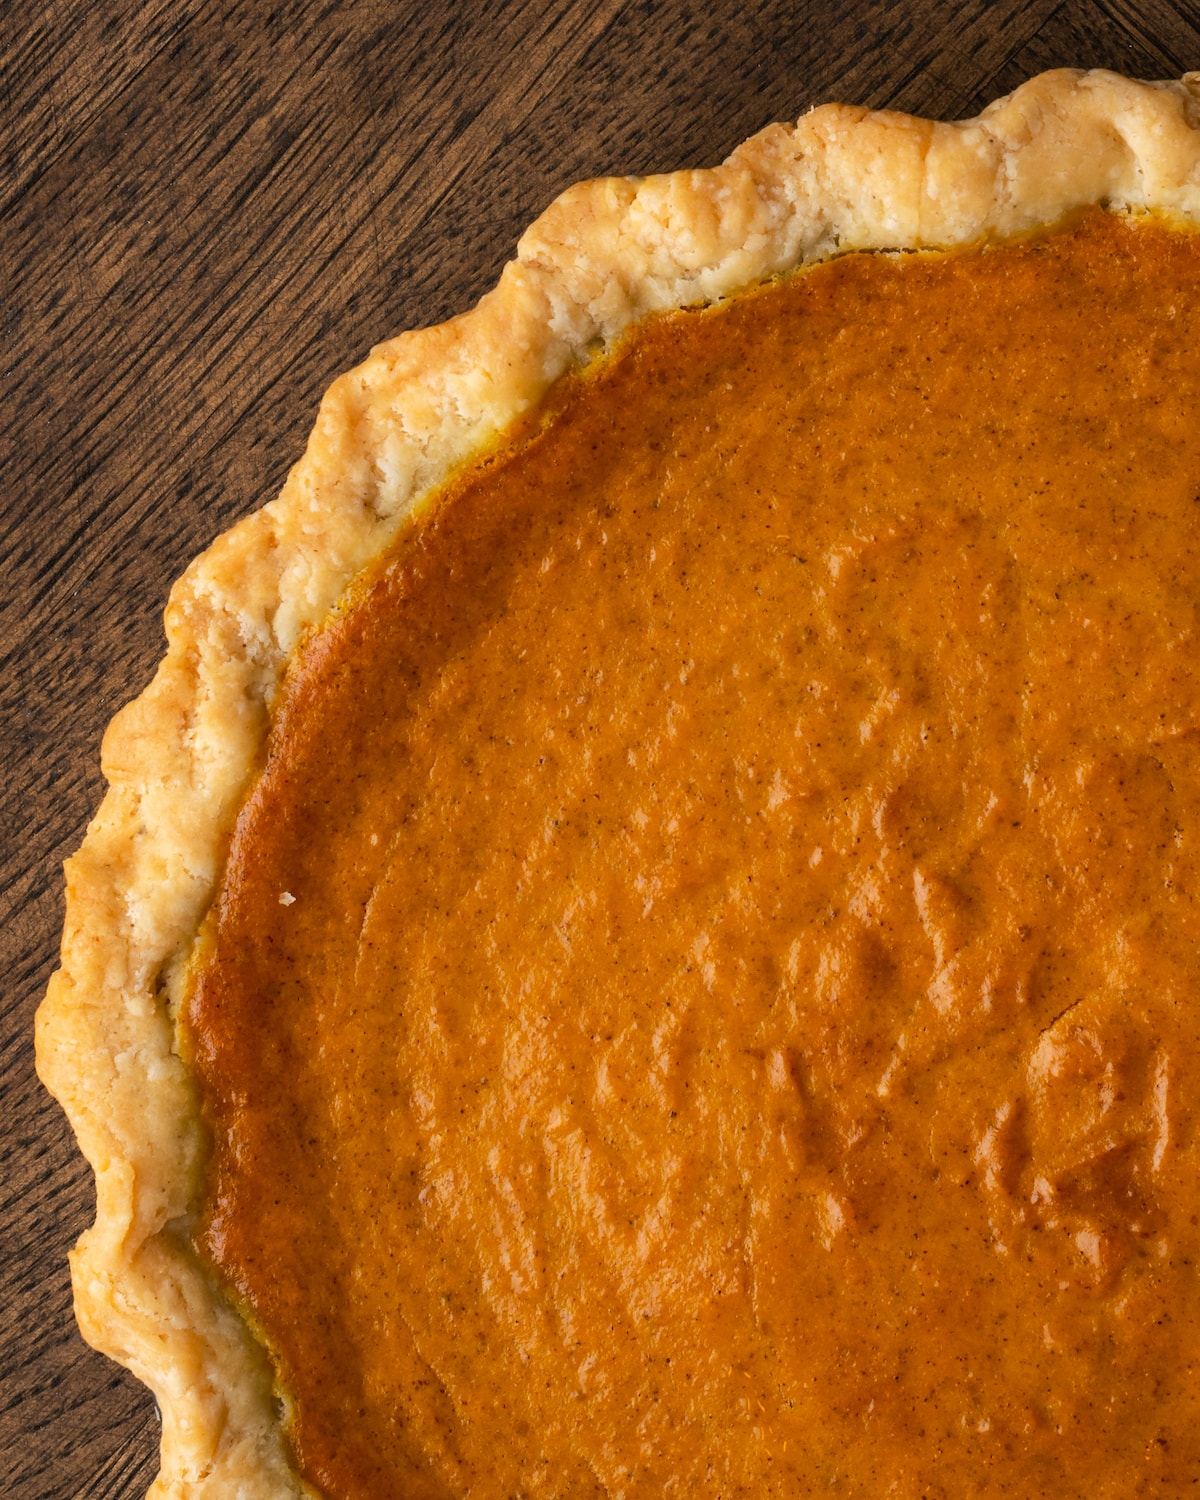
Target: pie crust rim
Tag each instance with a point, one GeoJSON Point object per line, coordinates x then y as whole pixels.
{"type": "Point", "coordinates": [179, 759]}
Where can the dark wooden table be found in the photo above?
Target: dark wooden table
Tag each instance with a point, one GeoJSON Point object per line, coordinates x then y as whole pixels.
{"type": "Point", "coordinates": [210, 208]}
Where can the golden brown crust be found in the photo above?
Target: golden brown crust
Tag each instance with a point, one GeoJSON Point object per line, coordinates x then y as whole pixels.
{"type": "Point", "coordinates": [178, 759]}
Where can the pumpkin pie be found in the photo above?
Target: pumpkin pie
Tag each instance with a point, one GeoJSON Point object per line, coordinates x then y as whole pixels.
{"type": "Point", "coordinates": [643, 938]}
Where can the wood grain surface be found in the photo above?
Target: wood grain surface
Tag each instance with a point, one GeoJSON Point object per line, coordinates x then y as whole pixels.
{"type": "Point", "coordinates": [209, 209]}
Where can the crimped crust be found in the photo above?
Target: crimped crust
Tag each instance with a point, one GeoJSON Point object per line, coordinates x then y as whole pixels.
{"type": "Point", "coordinates": [178, 759]}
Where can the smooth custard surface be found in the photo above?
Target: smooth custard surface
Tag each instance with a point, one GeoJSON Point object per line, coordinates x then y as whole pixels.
{"type": "Point", "coordinates": [704, 997]}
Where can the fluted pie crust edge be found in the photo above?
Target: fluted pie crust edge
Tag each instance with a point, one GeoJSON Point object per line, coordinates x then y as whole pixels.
{"type": "Point", "coordinates": [178, 760]}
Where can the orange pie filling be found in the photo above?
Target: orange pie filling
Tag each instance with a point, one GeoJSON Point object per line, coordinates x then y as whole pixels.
{"type": "Point", "coordinates": [705, 995]}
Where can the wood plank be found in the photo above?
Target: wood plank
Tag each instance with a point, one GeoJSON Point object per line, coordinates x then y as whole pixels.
{"type": "Point", "coordinates": [211, 207]}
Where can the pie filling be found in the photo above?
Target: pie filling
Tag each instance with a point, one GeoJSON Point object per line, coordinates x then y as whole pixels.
{"type": "Point", "coordinates": [703, 999]}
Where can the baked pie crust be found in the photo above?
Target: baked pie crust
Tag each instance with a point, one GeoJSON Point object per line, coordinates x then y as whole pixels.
{"type": "Point", "coordinates": [180, 759]}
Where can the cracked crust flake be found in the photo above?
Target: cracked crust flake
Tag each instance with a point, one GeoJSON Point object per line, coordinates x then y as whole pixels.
{"type": "Point", "coordinates": [179, 758]}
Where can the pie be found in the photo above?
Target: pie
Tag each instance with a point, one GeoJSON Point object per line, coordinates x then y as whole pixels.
{"type": "Point", "coordinates": [643, 938]}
